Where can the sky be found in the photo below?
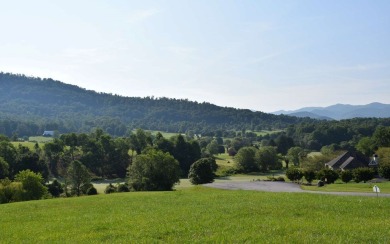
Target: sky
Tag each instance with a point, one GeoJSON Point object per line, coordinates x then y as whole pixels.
{"type": "Point", "coordinates": [264, 55]}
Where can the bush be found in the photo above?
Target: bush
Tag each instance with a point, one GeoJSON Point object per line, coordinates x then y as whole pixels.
{"type": "Point", "coordinates": [272, 178]}
{"type": "Point", "coordinates": [384, 171]}
{"type": "Point", "coordinates": [92, 191]}
{"type": "Point", "coordinates": [309, 175]}
{"type": "Point", "coordinates": [33, 188]}
{"type": "Point", "coordinates": [294, 174]}
{"type": "Point", "coordinates": [280, 178]}
{"type": "Point", "coordinates": [123, 188]}
{"type": "Point", "coordinates": [10, 191]}
{"type": "Point", "coordinates": [55, 188]}
{"type": "Point", "coordinates": [202, 171]}
{"type": "Point", "coordinates": [228, 171]}
{"type": "Point", "coordinates": [110, 189]}
{"type": "Point", "coordinates": [363, 174]}
{"type": "Point", "coordinates": [328, 176]}
{"type": "Point", "coordinates": [346, 176]}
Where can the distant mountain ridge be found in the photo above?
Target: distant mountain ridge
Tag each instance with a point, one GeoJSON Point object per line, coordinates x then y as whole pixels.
{"type": "Point", "coordinates": [341, 111]}
{"type": "Point", "coordinates": [53, 105]}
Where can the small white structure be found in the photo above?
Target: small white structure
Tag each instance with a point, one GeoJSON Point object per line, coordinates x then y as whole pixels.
{"type": "Point", "coordinates": [374, 161]}
{"type": "Point", "coordinates": [48, 133]}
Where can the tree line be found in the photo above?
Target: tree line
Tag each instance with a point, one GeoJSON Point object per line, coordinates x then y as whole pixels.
{"type": "Point", "coordinates": [149, 162]}
{"type": "Point", "coordinates": [29, 104]}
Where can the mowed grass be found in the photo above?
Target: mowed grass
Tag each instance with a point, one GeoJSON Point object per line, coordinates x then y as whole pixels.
{"type": "Point", "coordinates": [198, 215]}
{"type": "Point", "coordinates": [350, 187]}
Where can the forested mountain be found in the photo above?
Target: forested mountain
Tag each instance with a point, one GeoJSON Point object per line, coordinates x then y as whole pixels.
{"type": "Point", "coordinates": [30, 105]}
{"type": "Point", "coordinates": [342, 111]}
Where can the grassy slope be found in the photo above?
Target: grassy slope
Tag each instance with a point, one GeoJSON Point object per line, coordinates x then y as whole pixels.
{"type": "Point", "coordinates": [199, 215]}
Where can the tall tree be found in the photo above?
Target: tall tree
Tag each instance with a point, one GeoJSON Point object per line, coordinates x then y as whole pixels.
{"type": "Point", "coordinates": [245, 159]}
{"type": "Point", "coordinates": [4, 168]}
{"type": "Point", "coordinates": [186, 153]}
{"type": "Point", "coordinates": [78, 176]}
{"type": "Point", "coordinates": [295, 154]}
{"type": "Point", "coordinates": [267, 158]}
{"type": "Point", "coordinates": [53, 151]}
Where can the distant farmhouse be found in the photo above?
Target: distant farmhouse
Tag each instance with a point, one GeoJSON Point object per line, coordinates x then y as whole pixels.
{"type": "Point", "coordinates": [347, 161]}
{"type": "Point", "coordinates": [48, 133]}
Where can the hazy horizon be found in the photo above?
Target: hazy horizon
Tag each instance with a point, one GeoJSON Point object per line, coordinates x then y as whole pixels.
{"type": "Point", "coordinates": [260, 55]}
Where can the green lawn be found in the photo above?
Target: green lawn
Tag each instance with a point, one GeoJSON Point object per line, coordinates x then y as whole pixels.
{"type": "Point", "coordinates": [198, 215]}
{"type": "Point", "coordinates": [350, 187]}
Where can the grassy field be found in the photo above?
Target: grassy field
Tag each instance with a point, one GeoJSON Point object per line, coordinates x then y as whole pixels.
{"type": "Point", "coordinates": [165, 134]}
{"type": "Point", "coordinates": [40, 139]}
{"type": "Point", "coordinates": [198, 215]}
{"type": "Point", "coordinates": [265, 132]}
{"type": "Point", "coordinates": [27, 144]}
{"type": "Point", "coordinates": [32, 140]}
{"type": "Point", "coordinates": [350, 187]}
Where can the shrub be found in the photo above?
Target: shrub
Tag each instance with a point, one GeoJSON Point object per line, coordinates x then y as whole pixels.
{"type": "Point", "coordinates": [123, 188]}
{"type": "Point", "coordinates": [92, 191]}
{"type": "Point", "coordinates": [309, 175]}
{"type": "Point", "coordinates": [346, 176]}
{"type": "Point", "coordinates": [10, 191]}
{"type": "Point", "coordinates": [384, 171]}
{"type": "Point", "coordinates": [327, 175]}
{"type": "Point", "coordinates": [55, 188]}
{"type": "Point", "coordinates": [202, 171]}
{"type": "Point", "coordinates": [294, 174]}
{"type": "Point", "coordinates": [272, 178]}
{"type": "Point", "coordinates": [363, 174]}
{"type": "Point", "coordinates": [33, 189]}
{"type": "Point", "coordinates": [280, 178]}
{"type": "Point", "coordinates": [110, 189]}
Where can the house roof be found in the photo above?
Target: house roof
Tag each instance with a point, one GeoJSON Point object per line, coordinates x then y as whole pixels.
{"type": "Point", "coordinates": [347, 160]}
{"type": "Point", "coordinates": [336, 162]}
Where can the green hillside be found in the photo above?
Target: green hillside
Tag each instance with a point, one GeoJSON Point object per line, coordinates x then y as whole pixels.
{"type": "Point", "coordinates": [198, 215]}
{"type": "Point", "coordinates": [46, 104]}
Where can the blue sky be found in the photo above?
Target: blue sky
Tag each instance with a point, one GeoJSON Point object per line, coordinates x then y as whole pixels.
{"type": "Point", "coordinates": [261, 55]}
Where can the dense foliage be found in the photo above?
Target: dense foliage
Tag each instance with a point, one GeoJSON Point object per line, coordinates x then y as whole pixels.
{"type": "Point", "coordinates": [30, 105]}
{"type": "Point", "coordinates": [203, 171]}
{"type": "Point", "coordinates": [154, 171]}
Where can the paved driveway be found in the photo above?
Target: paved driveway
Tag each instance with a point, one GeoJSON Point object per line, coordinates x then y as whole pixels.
{"type": "Point", "coordinates": [275, 186]}
{"type": "Point", "coordinates": [272, 186]}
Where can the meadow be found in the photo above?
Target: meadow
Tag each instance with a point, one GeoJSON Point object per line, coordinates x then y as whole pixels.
{"type": "Point", "coordinates": [32, 141]}
{"type": "Point", "coordinates": [198, 215]}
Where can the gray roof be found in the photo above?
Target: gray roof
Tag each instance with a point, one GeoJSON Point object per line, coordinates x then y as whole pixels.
{"type": "Point", "coordinates": [347, 160]}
